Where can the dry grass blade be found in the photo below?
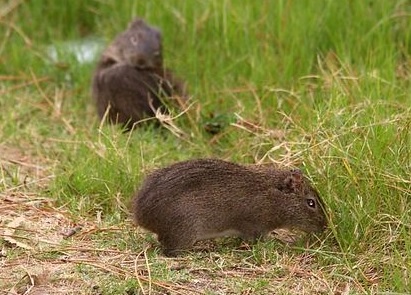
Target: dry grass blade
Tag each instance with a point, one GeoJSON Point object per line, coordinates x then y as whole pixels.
{"type": "Point", "coordinates": [9, 233]}
{"type": "Point", "coordinates": [24, 85]}
{"type": "Point", "coordinates": [11, 6]}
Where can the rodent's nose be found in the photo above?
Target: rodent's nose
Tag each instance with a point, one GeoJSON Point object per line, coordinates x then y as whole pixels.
{"type": "Point", "coordinates": [324, 224]}
{"type": "Point", "coordinates": [141, 63]}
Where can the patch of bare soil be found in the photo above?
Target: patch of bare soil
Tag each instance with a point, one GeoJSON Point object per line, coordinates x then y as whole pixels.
{"type": "Point", "coordinates": [20, 169]}
{"type": "Point", "coordinates": [43, 249]}
{"type": "Point", "coordinates": [29, 226]}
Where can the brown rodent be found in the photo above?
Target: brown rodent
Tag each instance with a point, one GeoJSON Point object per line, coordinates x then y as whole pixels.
{"type": "Point", "coordinates": [207, 198]}
{"type": "Point", "coordinates": [130, 78]}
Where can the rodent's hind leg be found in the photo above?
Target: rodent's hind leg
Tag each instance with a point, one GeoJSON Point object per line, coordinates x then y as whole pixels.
{"type": "Point", "coordinates": [174, 244]}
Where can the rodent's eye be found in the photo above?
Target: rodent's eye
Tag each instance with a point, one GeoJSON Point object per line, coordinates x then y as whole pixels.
{"type": "Point", "coordinates": [311, 203]}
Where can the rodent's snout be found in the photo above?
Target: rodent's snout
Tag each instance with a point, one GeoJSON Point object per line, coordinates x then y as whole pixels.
{"type": "Point", "coordinates": [321, 227]}
{"type": "Point", "coordinates": [323, 224]}
{"type": "Point", "coordinates": [141, 63]}
{"type": "Point", "coordinates": [145, 63]}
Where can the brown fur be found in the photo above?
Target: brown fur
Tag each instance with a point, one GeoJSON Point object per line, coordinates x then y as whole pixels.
{"type": "Point", "coordinates": [206, 198]}
{"type": "Point", "coordinates": [130, 80]}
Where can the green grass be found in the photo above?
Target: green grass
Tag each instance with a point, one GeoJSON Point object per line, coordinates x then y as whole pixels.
{"type": "Point", "coordinates": [326, 85]}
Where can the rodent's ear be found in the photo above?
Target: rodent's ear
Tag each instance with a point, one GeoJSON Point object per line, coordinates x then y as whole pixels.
{"type": "Point", "coordinates": [294, 181]}
{"type": "Point", "coordinates": [137, 22]}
